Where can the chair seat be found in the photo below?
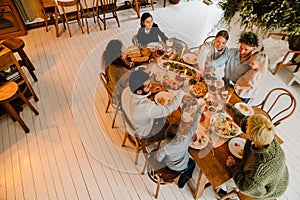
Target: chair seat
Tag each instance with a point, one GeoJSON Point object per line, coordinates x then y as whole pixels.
{"type": "Point", "coordinates": [14, 44]}
{"type": "Point", "coordinates": [8, 90]}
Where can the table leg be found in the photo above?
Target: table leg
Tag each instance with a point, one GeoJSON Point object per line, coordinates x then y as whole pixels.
{"type": "Point", "coordinates": [200, 185]}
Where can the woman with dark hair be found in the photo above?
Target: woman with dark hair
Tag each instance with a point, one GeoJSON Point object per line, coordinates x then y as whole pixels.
{"type": "Point", "coordinates": [149, 31]}
{"type": "Point", "coordinates": [212, 50]}
{"type": "Point", "coordinates": [116, 66]}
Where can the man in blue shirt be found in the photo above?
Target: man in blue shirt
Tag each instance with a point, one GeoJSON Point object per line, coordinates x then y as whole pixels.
{"type": "Point", "coordinates": [236, 60]}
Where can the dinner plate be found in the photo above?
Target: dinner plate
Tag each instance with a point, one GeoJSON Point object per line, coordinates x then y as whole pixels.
{"type": "Point", "coordinates": [244, 108]}
{"type": "Point", "coordinates": [163, 98]}
{"type": "Point", "coordinates": [190, 58]}
{"type": "Point", "coordinates": [199, 145]}
{"type": "Point", "coordinates": [236, 147]}
{"type": "Point", "coordinates": [220, 127]}
{"type": "Point", "coordinates": [154, 45]}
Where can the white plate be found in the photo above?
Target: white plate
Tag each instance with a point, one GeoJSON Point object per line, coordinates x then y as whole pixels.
{"type": "Point", "coordinates": [199, 145]}
{"type": "Point", "coordinates": [236, 145]}
{"type": "Point", "coordinates": [213, 121]}
{"type": "Point", "coordinates": [167, 96]}
{"type": "Point", "coordinates": [244, 108]}
{"type": "Point", "coordinates": [154, 45]}
{"type": "Point", "coordinates": [190, 58]}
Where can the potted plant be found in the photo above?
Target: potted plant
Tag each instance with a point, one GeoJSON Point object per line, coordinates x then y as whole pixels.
{"type": "Point", "coordinates": [264, 14]}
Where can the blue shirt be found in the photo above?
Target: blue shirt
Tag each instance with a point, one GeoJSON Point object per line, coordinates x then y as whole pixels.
{"type": "Point", "coordinates": [233, 66]}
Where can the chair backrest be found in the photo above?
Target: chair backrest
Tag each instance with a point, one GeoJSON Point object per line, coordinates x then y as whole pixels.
{"type": "Point", "coordinates": [135, 41]}
{"type": "Point", "coordinates": [105, 83]}
{"type": "Point", "coordinates": [108, 4]}
{"type": "Point", "coordinates": [207, 39]}
{"type": "Point", "coordinates": [279, 104]}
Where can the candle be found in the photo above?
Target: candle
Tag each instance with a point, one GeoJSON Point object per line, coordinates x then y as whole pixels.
{"type": "Point", "coordinates": [185, 71]}
{"type": "Point", "coordinates": [168, 67]}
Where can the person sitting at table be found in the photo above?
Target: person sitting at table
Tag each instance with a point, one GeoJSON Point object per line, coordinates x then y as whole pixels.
{"type": "Point", "coordinates": [263, 173]}
{"type": "Point", "coordinates": [149, 31]}
{"type": "Point", "coordinates": [212, 50]}
{"type": "Point", "coordinates": [237, 60]}
{"type": "Point", "coordinates": [246, 86]}
{"type": "Point", "coordinates": [147, 117]}
{"type": "Point", "coordinates": [117, 67]}
{"type": "Point", "coordinates": [174, 150]}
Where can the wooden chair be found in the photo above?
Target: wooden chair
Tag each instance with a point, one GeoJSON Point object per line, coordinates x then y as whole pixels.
{"type": "Point", "coordinates": [279, 53]}
{"type": "Point", "coordinates": [8, 92]}
{"type": "Point", "coordinates": [79, 11]}
{"type": "Point", "coordinates": [49, 9]}
{"type": "Point", "coordinates": [17, 45]}
{"type": "Point", "coordinates": [160, 174]}
{"type": "Point", "coordinates": [279, 104]}
{"type": "Point", "coordinates": [110, 98]}
{"type": "Point", "coordinates": [107, 6]}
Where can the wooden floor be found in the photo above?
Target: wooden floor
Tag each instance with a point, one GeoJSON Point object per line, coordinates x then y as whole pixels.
{"type": "Point", "coordinates": [71, 151]}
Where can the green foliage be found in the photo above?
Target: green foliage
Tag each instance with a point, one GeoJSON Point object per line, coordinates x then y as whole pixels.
{"type": "Point", "coordinates": [265, 14]}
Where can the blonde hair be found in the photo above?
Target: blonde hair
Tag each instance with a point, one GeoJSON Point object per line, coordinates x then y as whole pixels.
{"type": "Point", "coordinates": [262, 58]}
{"type": "Point", "coordinates": [260, 130]}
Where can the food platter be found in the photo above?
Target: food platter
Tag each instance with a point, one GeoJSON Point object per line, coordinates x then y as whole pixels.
{"type": "Point", "coordinates": [200, 141]}
{"type": "Point", "coordinates": [223, 126]}
{"type": "Point", "coordinates": [179, 68]}
{"type": "Point", "coordinates": [236, 147]}
{"type": "Point", "coordinates": [199, 89]}
{"type": "Point", "coordinates": [190, 58]}
{"type": "Point", "coordinates": [138, 55]}
{"type": "Point", "coordinates": [163, 98]}
{"type": "Point", "coordinates": [244, 108]}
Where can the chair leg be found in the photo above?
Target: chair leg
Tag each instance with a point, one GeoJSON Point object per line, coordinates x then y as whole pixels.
{"type": "Point", "coordinates": [46, 21]}
{"type": "Point", "coordinates": [152, 4]}
{"type": "Point", "coordinates": [277, 68]}
{"type": "Point", "coordinates": [297, 68]}
{"type": "Point", "coordinates": [116, 16]}
{"type": "Point", "coordinates": [15, 115]}
{"type": "Point", "coordinates": [114, 119]}
{"type": "Point", "coordinates": [79, 22]}
{"type": "Point", "coordinates": [124, 140]}
{"type": "Point", "coordinates": [137, 150]}
{"type": "Point", "coordinates": [157, 186]}
{"type": "Point", "coordinates": [28, 64]}
{"type": "Point", "coordinates": [85, 17]}
{"type": "Point", "coordinates": [107, 106]}
{"type": "Point", "coordinates": [165, 3]}
{"type": "Point", "coordinates": [104, 20]}
{"type": "Point", "coordinates": [28, 103]}
{"type": "Point", "coordinates": [67, 21]}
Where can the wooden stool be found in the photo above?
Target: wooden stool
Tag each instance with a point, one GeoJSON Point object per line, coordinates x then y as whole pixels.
{"type": "Point", "coordinates": [8, 92]}
{"type": "Point", "coordinates": [17, 45]}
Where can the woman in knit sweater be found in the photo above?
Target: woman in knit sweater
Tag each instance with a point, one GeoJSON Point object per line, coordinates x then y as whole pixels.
{"type": "Point", "coordinates": [263, 173]}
